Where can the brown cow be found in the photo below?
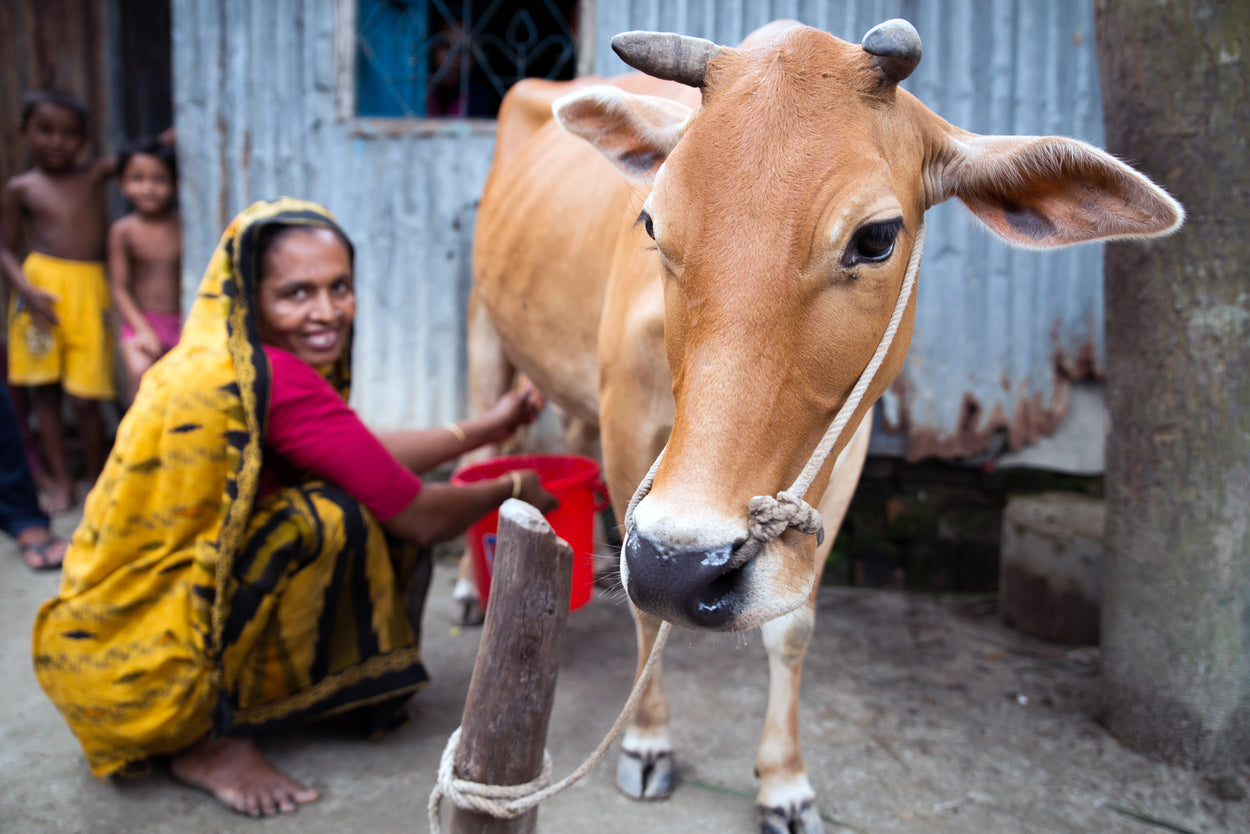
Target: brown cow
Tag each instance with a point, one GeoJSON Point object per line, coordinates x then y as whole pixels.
{"type": "Point", "coordinates": [723, 296]}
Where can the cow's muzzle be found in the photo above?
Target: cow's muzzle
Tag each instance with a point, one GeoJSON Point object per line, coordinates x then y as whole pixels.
{"type": "Point", "coordinates": [702, 589]}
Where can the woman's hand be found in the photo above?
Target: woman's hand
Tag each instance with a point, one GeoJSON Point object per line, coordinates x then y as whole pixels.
{"type": "Point", "coordinates": [442, 511]}
{"type": "Point", "coordinates": [532, 492]}
{"type": "Point", "coordinates": [513, 410]}
{"type": "Point", "coordinates": [422, 450]}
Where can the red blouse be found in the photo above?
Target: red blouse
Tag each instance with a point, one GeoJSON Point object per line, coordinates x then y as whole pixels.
{"type": "Point", "coordinates": [312, 430]}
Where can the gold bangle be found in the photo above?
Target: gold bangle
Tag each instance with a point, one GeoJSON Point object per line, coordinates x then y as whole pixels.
{"type": "Point", "coordinates": [516, 483]}
{"type": "Point", "coordinates": [458, 432]}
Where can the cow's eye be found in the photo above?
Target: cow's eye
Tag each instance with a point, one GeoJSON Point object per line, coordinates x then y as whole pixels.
{"type": "Point", "coordinates": [647, 223]}
{"type": "Point", "coordinates": [873, 243]}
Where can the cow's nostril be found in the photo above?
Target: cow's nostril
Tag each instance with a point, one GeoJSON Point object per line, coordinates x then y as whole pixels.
{"type": "Point", "coordinates": [717, 603]}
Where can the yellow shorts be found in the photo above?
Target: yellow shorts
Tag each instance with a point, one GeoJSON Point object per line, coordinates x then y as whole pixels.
{"type": "Point", "coordinates": [77, 353]}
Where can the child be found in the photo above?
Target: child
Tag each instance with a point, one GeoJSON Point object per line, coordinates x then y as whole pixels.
{"type": "Point", "coordinates": [145, 257]}
{"type": "Point", "coordinates": [58, 316]}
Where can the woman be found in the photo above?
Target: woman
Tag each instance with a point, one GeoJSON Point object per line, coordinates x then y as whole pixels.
{"type": "Point", "coordinates": [242, 562]}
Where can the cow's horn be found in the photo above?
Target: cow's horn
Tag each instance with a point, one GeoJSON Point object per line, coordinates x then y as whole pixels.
{"type": "Point", "coordinates": [666, 55]}
{"type": "Point", "coordinates": [894, 47]}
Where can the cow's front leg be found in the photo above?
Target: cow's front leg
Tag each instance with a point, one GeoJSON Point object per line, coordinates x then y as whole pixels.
{"type": "Point", "coordinates": [645, 769]}
{"type": "Point", "coordinates": [786, 803]}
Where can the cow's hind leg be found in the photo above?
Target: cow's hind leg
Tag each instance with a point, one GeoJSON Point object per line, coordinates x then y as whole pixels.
{"type": "Point", "coordinates": [491, 375]}
{"type": "Point", "coordinates": [646, 768]}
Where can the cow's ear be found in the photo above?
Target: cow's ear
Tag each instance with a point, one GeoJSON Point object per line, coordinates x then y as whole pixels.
{"type": "Point", "coordinates": [1043, 192]}
{"type": "Point", "coordinates": [636, 133]}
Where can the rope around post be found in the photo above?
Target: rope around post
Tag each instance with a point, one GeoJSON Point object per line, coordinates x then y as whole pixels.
{"type": "Point", "coordinates": [510, 801]}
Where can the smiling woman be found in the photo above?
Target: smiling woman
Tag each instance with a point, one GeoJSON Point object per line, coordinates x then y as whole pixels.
{"type": "Point", "coordinates": [306, 300]}
{"type": "Point", "coordinates": [244, 560]}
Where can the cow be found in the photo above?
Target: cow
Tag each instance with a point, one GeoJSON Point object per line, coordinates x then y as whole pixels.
{"type": "Point", "coordinates": [701, 259]}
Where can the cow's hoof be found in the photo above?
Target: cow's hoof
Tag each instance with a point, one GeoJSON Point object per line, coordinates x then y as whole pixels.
{"type": "Point", "coordinates": [802, 820]}
{"type": "Point", "coordinates": [468, 613]}
{"type": "Point", "coordinates": [646, 776]}
{"type": "Point", "coordinates": [466, 605]}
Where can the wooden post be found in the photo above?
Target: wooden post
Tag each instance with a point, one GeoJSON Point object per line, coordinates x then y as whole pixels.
{"type": "Point", "coordinates": [504, 729]}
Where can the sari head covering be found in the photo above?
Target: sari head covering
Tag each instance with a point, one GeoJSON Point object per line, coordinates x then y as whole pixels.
{"type": "Point", "coordinates": [185, 605]}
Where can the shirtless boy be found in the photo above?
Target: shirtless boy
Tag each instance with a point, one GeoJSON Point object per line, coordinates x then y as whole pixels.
{"type": "Point", "coordinates": [145, 257]}
{"type": "Point", "coordinates": [59, 318]}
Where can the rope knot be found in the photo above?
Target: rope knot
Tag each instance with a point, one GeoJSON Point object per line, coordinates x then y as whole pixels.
{"type": "Point", "coordinates": [499, 801]}
{"type": "Point", "coordinates": [770, 516]}
{"type": "Point", "coordinates": [510, 801]}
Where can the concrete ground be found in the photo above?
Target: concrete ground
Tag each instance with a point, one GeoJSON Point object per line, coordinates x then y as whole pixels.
{"type": "Point", "coordinates": [918, 715]}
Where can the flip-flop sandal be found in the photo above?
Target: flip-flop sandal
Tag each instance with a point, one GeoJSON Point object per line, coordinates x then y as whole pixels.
{"type": "Point", "coordinates": [40, 550]}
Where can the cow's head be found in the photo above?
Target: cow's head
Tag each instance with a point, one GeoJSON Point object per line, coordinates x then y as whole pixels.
{"type": "Point", "coordinates": [784, 211]}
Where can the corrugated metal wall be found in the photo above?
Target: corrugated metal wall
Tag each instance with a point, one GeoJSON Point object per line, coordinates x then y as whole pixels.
{"type": "Point", "coordinates": [257, 106]}
{"type": "Point", "coordinates": [997, 329]}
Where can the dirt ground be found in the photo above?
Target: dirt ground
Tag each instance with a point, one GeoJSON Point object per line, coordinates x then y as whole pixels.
{"type": "Point", "coordinates": [919, 714]}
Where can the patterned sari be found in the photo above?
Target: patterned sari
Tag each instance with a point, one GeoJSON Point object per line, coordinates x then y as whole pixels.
{"type": "Point", "coordinates": [186, 605]}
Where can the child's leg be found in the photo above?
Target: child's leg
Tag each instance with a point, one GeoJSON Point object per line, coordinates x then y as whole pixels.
{"type": "Point", "coordinates": [17, 398]}
{"type": "Point", "coordinates": [20, 514]}
{"type": "Point", "coordinates": [19, 502]}
{"type": "Point", "coordinates": [52, 441]}
{"type": "Point", "coordinates": [137, 361]}
{"type": "Point", "coordinates": [90, 435]}
{"type": "Point", "coordinates": [21, 403]}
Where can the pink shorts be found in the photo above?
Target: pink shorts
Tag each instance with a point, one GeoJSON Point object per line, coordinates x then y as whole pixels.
{"type": "Point", "coordinates": [168, 327]}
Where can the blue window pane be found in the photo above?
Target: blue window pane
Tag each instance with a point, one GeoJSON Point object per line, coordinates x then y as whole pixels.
{"type": "Point", "coordinates": [456, 58]}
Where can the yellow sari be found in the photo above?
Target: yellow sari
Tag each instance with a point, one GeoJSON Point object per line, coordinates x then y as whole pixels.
{"type": "Point", "coordinates": [187, 607]}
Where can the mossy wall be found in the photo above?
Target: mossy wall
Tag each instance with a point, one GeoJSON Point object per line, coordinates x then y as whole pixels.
{"type": "Point", "coordinates": [933, 526]}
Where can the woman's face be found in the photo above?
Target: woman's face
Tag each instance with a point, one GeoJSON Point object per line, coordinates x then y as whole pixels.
{"type": "Point", "coordinates": [306, 296]}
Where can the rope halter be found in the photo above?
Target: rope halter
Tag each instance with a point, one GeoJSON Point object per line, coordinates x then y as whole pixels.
{"type": "Point", "coordinates": [769, 516]}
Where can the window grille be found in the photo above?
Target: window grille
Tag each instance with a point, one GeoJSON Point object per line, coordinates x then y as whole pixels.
{"type": "Point", "coordinates": [456, 58]}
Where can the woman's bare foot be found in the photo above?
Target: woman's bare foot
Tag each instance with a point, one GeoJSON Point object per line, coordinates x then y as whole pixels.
{"type": "Point", "coordinates": [236, 773]}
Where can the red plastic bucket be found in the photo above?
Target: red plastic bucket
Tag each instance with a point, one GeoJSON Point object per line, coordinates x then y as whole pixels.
{"type": "Point", "coordinates": [574, 480]}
